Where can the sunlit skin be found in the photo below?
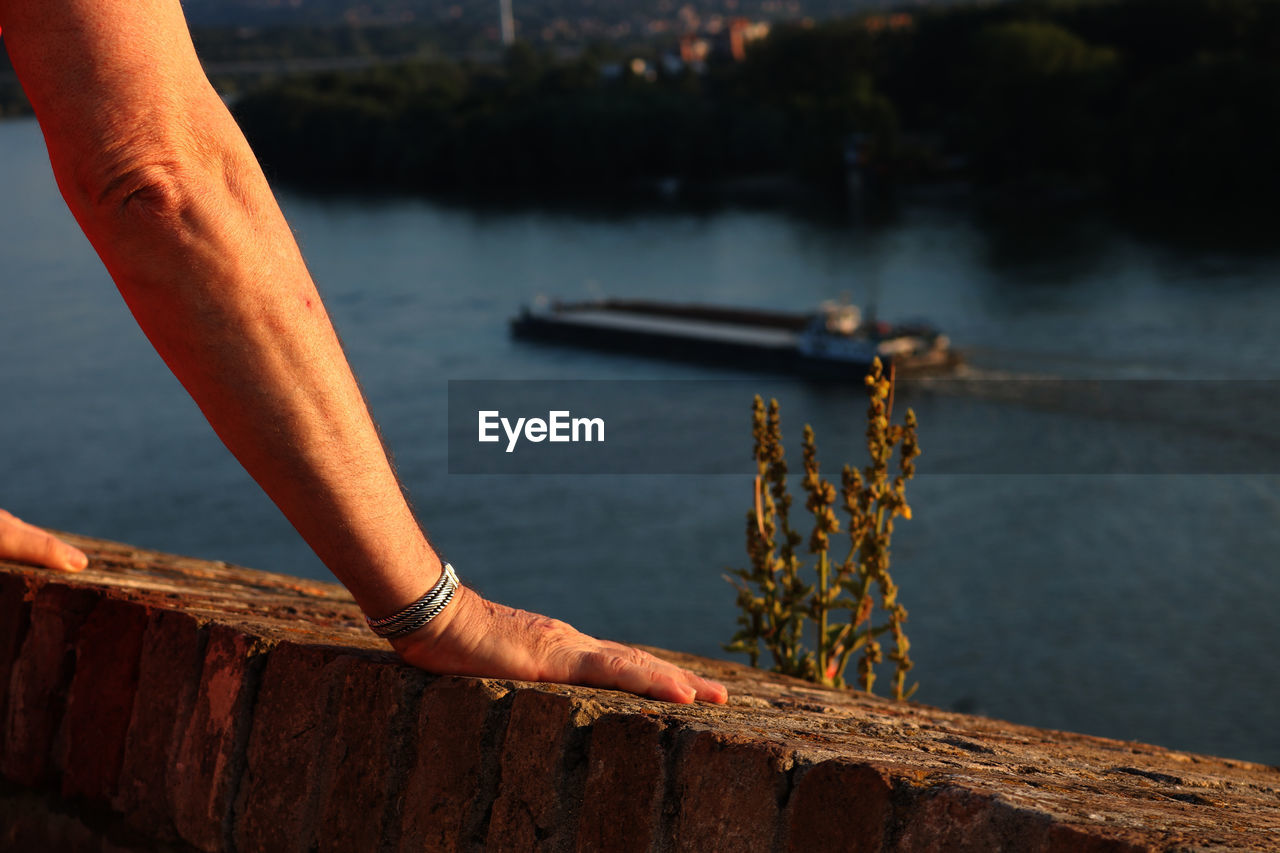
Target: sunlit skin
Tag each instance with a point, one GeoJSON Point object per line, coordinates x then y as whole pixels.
{"type": "Point", "coordinates": [26, 543]}
{"type": "Point", "coordinates": [164, 185]}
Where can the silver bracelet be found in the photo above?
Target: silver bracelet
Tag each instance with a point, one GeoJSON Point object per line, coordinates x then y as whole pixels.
{"type": "Point", "coordinates": [416, 615]}
{"type": "Point", "coordinates": [427, 603]}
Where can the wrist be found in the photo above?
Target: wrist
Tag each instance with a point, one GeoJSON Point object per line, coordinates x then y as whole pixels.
{"type": "Point", "coordinates": [437, 640]}
{"type": "Point", "coordinates": [385, 584]}
{"type": "Point", "coordinates": [420, 612]}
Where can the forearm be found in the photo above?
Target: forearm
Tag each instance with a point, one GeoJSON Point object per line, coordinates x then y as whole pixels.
{"type": "Point", "coordinates": [170, 195]}
{"type": "Point", "coordinates": [227, 302]}
{"type": "Point", "coordinates": [164, 185]}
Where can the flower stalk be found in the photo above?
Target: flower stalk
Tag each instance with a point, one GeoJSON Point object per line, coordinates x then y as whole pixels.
{"type": "Point", "coordinates": [774, 599]}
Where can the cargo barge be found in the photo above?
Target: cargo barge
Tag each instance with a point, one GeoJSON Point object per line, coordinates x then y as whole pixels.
{"type": "Point", "coordinates": [833, 341]}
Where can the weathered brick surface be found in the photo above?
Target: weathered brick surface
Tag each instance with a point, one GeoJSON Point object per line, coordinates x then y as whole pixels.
{"type": "Point", "coordinates": [168, 678]}
{"type": "Point", "coordinates": [1062, 838]}
{"type": "Point", "coordinates": [951, 818]}
{"type": "Point", "coordinates": [292, 726]}
{"type": "Point", "coordinates": [622, 798]}
{"type": "Point", "coordinates": [727, 795]}
{"type": "Point", "coordinates": [353, 751]}
{"type": "Point", "coordinates": [15, 613]}
{"type": "Point", "coordinates": [39, 679]}
{"type": "Point", "coordinates": [100, 701]}
{"type": "Point", "coordinates": [365, 758]}
{"type": "Point", "coordinates": [42, 822]}
{"type": "Point", "coordinates": [839, 805]}
{"type": "Point", "coordinates": [448, 770]}
{"type": "Point", "coordinates": [530, 794]}
{"type": "Point", "coordinates": [28, 825]}
{"type": "Point", "coordinates": [204, 769]}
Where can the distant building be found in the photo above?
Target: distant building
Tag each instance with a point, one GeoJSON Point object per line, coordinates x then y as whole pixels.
{"type": "Point", "coordinates": [718, 39]}
{"type": "Point", "coordinates": [508, 23]}
{"type": "Point", "coordinates": [694, 49]}
{"type": "Point", "coordinates": [741, 33]}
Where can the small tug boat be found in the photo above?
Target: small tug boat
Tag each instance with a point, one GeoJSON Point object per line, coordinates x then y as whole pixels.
{"type": "Point", "coordinates": [834, 341]}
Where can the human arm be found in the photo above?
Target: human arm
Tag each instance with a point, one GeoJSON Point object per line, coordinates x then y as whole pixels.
{"type": "Point", "coordinates": [168, 192]}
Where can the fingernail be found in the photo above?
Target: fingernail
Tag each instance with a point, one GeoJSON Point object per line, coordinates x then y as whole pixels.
{"type": "Point", "coordinates": [77, 562]}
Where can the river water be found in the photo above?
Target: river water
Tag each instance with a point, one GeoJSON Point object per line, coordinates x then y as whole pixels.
{"type": "Point", "coordinates": [1131, 599]}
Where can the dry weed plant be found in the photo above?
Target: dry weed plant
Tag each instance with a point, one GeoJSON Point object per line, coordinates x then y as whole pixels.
{"type": "Point", "coordinates": [778, 594]}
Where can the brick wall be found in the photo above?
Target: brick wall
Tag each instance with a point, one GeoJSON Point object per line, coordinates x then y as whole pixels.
{"type": "Point", "coordinates": [157, 702]}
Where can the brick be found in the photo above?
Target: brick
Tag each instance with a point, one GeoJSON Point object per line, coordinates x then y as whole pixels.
{"type": "Point", "coordinates": [527, 812]}
{"type": "Point", "coordinates": [15, 613]}
{"type": "Point", "coordinates": [292, 723]}
{"type": "Point", "coordinates": [622, 797]}
{"type": "Point", "coordinates": [838, 805]}
{"type": "Point", "coordinates": [203, 770]}
{"type": "Point", "coordinates": [39, 679]}
{"type": "Point", "coordinates": [28, 824]}
{"type": "Point", "coordinates": [726, 795]}
{"type": "Point", "coordinates": [168, 677]}
{"type": "Point", "coordinates": [100, 700]}
{"type": "Point", "coordinates": [1061, 838]}
{"type": "Point", "coordinates": [366, 760]}
{"type": "Point", "coordinates": [953, 818]}
{"type": "Point", "coordinates": [445, 778]}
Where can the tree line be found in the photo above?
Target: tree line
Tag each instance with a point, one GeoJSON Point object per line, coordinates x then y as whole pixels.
{"type": "Point", "coordinates": [1158, 98]}
{"type": "Point", "coordinates": [1148, 99]}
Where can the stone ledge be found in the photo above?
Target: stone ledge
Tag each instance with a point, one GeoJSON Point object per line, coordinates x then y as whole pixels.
{"type": "Point", "coordinates": [196, 705]}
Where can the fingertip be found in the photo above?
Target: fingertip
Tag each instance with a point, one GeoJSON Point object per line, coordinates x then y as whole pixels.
{"type": "Point", "coordinates": [712, 691]}
{"type": "Point", "coordinates": [717, 694]}
{"type": "Point", "coordinates": [671, 690]}
{"type": "Point", "coordinates": [76, 561]}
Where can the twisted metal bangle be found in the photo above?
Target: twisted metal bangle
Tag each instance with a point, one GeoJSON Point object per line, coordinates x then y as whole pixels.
{"type": "Point", "coordinates": [428, 600]}
{"type": "Point", "coordinates": [420, 618]}
{"type": "Point", "coordinates": [411, 613]}
{"type": "Point", "coordinates": [421, 621]}
{"type": "Point", "coordinates": [420, 612]}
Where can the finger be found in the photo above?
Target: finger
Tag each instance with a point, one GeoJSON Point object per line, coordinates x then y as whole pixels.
{"type": "Point", "coordinates": [708, 690]}
{"type": "Point", "coordinates": [26, 543]}
{"type": "Point", "coordinates": [76, 560]}
{"type": "Point", "coordinates": [605, 667]}
{"type": "Point", "coordinates": [704, 688]}
{"type": "Point", "coordinates": [629, 669]}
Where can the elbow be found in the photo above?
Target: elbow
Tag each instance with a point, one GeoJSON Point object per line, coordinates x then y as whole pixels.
{"type": "Point", "coordinates": [157, 205]}
{"type": "Point", "coordinates": [137, 181]}
{"type": "Point", "coordinates": [147, 189]}
{"type": "Point", "coordinates": [142, 218]}
{"type": "Point", "coordinates": [154, 183]}
{"type": "Point", "coordinates": [182, 194]}
{"type": "Point", "coordinates": [153, 219]}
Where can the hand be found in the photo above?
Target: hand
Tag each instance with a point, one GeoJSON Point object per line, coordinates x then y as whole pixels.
{"type": "Point", "coordinates": [25, 543]}
{"type": "Point", "coordinates": [480, 638]}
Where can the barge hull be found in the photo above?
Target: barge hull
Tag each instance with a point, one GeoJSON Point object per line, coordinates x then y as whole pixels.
{"type": "Point", "coordinates": [675, 347]}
